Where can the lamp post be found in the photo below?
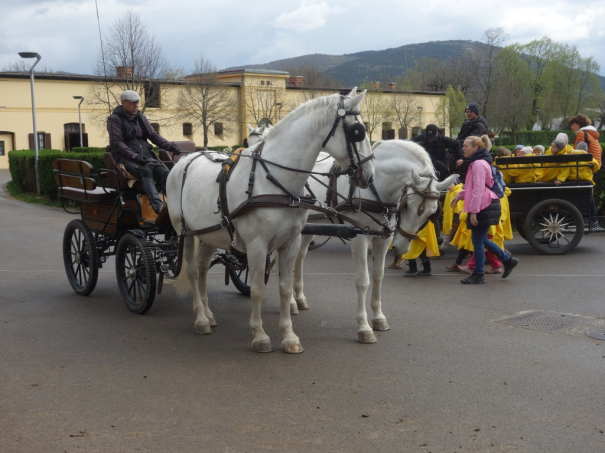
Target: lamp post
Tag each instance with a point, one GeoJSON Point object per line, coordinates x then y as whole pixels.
{"type": "Point", "coordinates": [538, 118]}
{"type": "Point", "coordinates": [420, 118]}
{"type": "Point", "coordinates": [280, 105]}
{"type": "Point", "coordinates": [80, 116]}
{"type": "Point", "coordinates": [31, 78]}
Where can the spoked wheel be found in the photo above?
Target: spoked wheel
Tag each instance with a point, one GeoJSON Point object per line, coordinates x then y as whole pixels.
{"type": "Point", "coordinates": [80, 257]}
{"type": "Point", "coordinates": [135, 271]}
{"type": "Point", "coordinates": [520, 225]}
{"type": "Point", "coordinates": [240, 278]}
{"type": "Point", "coordinates": [554, 227]}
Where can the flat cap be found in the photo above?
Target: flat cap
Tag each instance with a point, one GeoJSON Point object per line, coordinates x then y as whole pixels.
{"type": "Point", "coordinates": [130, 95]}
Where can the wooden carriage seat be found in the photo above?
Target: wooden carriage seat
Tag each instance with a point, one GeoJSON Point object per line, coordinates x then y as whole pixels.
{"type": "Point", "coordinates": [122, 175]}
{"type": "Point", "coordinates": [75, 180]}
{"type": "Point", "coordinates": [169, 159]}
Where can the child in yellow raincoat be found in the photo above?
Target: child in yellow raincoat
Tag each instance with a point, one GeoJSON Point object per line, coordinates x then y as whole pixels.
{"type": "Point", "coordinates": [424, 246]}
{"type": "Point", "coordinates": [523, 173]}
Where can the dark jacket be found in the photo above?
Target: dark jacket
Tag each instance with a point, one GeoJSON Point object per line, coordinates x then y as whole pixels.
{"type": "Point", "coordinates": [128, 136]}
{"type": "Point", "coordinates": [491, 214]}
{"type": "Point", "coordinates": [437, 148]}
{"type": "Point", "coordinates": [476, 127]}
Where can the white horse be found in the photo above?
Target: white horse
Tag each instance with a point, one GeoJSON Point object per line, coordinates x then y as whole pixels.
{"type": "Point", "coordinates": [294, 142]}
{"type": "Point", "coordinates": [398, 163]}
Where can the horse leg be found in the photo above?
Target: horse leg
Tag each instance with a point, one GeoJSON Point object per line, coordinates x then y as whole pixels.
{"type": "Point", "coordinates": [380, 249]}
{"type": "Point", "coordinates": [359, 250]}
{"type": "Point", "coordinates": [287, 255]}
{"type": "Point", "coordinates": [204, 259]}
{"type": "Point", "coordinates": [256, 264]}
{"type": "Point", "coordinates": [299, 301]}
{"type": "Point", "coordinates": [202, 324]}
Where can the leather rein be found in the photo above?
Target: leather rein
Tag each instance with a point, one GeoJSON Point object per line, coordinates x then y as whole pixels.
{"type": "Point", "coordinates": [402, 204]}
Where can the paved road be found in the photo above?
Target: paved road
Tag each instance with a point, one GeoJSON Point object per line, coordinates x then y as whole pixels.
{"type": "Point", "coordinates": [82, 374]}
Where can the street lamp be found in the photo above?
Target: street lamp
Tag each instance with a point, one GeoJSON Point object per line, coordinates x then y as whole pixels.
{"type": "Point", "coordinates": [80, 116]}
{"type": "Point", "coordinates": [420, 118]}
{"type": "Point", "coordinates": [538, 118]}
{"type": "Point", "coordinates": [31, 78]}
{"type": "Point", "coordinates": [280, 104]}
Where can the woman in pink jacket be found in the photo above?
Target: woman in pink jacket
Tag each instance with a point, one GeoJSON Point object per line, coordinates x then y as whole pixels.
{"type": "Point", "coordinates": [483, 207]}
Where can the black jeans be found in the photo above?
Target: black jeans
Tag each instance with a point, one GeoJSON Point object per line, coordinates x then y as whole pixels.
{"type": "Point", "coordinates": [155, 171]}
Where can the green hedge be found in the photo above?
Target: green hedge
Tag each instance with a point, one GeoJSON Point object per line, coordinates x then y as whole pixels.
{"type": "Point", "coordinates": [530, 138]}
{"type": "Point", "coordinates": [22, 168]}
{"type": "Point", "coordinates": [87, 149]}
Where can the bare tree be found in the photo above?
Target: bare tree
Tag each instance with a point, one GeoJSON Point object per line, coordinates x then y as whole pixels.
{"type": "Point", "coordinates": [376, 110]}
{"type": "Point", "coordinates": [131, 59]}
{"type": "Point", "coordinates": [206, 103]}
{"type": "Point", "coordinates": [315, 83]}
{"type": "Point", "coordinates": [404, 108]}
{"type": "Point", "coordinates": [262, 99]}
{"type": "Point", "coordinates": [24, 66]}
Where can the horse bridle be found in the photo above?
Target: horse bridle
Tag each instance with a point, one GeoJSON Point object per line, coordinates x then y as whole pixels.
{"type": "Point", "coordinates": [353, 134]}
{"type": "Point", "coordinates": [402, 204]}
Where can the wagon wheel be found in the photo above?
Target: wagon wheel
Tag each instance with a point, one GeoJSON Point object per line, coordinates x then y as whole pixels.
{"type": "Point", "coordinates": [554, 227]}
{"type": "Point", "coordinates": [135, 271]}
{"type": "Point", "coordinates": [240, 278]}
{"type": "Point", "coordinates": [80, 257]}
{"type": "Point", "coordinates": [520, 225]}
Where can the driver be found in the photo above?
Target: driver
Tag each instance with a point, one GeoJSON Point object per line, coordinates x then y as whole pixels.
{"type": "Point", "coordinates": [435, 144]}
{"type": "Point", "coordinates": [129, 131]}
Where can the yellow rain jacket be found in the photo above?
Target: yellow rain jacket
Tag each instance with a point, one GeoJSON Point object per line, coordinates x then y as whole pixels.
{"type": "Point", "coordinates": [448, 211]}
{"type": "Point", "coordinates": [505, 176]}
{"type": "Point", "coordinates": [556, 174]}
{"type": "Point", "coordinates": [584, 173]}
{"type": "Point", "coordinates": [522, 173]}
{"type": "Point", "coordinates": [427, 238]}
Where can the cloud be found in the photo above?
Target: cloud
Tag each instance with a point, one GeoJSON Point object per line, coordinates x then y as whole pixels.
{"type": "Point", "coordinates": [40, 12]}
{"type": "Point", "coordinates": [307, 17]}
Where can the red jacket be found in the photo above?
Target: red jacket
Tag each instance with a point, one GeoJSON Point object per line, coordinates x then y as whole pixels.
{"type": "Point", "coordinates": [590, 136]}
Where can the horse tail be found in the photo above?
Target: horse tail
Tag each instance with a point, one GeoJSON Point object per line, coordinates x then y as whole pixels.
{"type": "Point", "coordinates": [182, 285]}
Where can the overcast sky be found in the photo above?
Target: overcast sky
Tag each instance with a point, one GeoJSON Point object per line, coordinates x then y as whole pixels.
{"type": "Point", "coordinates": [236, 32]}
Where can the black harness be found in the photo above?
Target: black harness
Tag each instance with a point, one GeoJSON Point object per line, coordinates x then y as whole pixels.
{"type": "Point", "coordinates": [402, 204]}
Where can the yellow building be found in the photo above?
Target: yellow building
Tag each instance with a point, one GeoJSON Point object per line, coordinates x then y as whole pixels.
{"type": "Point", "coordinates": [256, 97]}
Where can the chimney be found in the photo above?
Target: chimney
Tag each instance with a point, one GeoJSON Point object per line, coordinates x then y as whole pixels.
{"type": "Point", "coordinates": [376, 85]}
{"type": "Point", "coordinates": [392, 86]}
{"type": "Point", "coordinates": [124, 71]}
{"type": "Point", "coordinates": [296, 81]}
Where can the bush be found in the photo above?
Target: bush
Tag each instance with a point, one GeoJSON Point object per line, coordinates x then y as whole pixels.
{"type": "Point", "coordinates": [22, 168]}
{"type": "Point", "coordinates": [87, 149]}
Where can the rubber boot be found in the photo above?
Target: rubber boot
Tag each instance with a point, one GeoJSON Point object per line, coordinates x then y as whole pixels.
{"type": "Point", "coordinates": [426, 269]}
{"type": "Point", "coordinates": [152, 194]}
{"type": "Point", "coordinates": [413, 271]}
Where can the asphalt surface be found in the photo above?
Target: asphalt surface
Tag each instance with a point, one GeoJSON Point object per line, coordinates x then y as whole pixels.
{"type": "Point", "coordinates": [83, 374]}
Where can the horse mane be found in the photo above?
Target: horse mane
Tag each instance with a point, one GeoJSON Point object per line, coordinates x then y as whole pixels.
{"type": "Point", "coordinates": [419, 153]}
{"type": "Point", "coordinates": [307, 109]}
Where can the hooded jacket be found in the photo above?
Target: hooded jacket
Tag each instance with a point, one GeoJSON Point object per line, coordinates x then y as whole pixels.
{"type": "Point", "coordinates": [556, 174]}
{"type": "Point", "coordinates": [476, 127]}
{"type": "Point", "coordinates": [437, 147]}
{"type": "Point", "coordinates": [590, 136]}
{"type": "Point", "coordinates": [477, 193]}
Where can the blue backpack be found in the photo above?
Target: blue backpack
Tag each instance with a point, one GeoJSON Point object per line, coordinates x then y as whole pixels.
{"type": "Point", "coordinates": [499, 184]}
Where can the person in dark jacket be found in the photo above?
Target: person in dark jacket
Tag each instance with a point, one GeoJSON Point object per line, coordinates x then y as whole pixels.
{"type": "Point", "coordinates": [436, 145]}
{"type": "Point", "coordinates": [129, 131]}
{"type": "Point", "coordinates": [483, 207]}
{"type": "Point", "coordinates": [475, 125]}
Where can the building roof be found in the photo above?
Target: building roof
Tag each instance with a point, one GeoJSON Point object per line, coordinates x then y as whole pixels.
{"type": "Point", "coordinates": [254, 71]}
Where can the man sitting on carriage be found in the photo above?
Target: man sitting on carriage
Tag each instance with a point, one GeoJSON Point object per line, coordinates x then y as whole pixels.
{"type": "Point", "coordinates": [129, 131]}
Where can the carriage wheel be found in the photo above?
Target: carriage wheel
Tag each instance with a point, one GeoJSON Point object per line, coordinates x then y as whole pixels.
{"type": "Point", "coordinates": [240, 278]}
{"type": "Point", "coordinates": [554, 227]}
{"type": "Point", "coordinates": [520, 225]}
{"type": "Point", "coordinates": [80, 257]}
{"type": "Point", "coordinates": [135, 271]}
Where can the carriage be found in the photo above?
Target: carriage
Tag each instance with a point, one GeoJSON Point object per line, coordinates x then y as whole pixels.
{"type": "Point", "coordinates": [552, 218]}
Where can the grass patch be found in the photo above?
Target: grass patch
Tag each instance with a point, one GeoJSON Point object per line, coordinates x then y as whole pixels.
{"type": "Point", "coordinates": [16, 193]}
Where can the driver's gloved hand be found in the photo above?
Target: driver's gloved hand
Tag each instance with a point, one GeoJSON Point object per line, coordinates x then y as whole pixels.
{"type": "Point", "coordinates": [141, 160]}
{"type": "Point", "coordinates": [175, 150]}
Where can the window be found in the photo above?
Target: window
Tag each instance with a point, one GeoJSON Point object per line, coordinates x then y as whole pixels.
{"type": "Point", "coordinates": [187, 129]}
{"type": "Point", "coordinates": [218, 128]}
{"type": "Point", "coordinates": [74, 127]}
{"type": "Point", "coordinates": [152, 95]}
{"type": "Point", "coordinates": [1, 148]}
{"type": "Point", "coordinates": [262, 82]}
{"type": "Point", "coordinates": [156, 127]}
{"type": "Point", "coordinates": [268, 82]}
{"type": "Point", "coordinates": [43, 141]}
{"type": "Point", "coordinates": [403, 133]}
{"type": "Point", "coordinates": [40, 140]}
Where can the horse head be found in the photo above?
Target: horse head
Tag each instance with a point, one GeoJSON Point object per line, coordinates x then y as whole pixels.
{"type": "Point", "coordinates": [419, 204]}
{"type": "Point", "coordinates": [347, 141]}
{"type": "Point", "coordinates": [257, 135]}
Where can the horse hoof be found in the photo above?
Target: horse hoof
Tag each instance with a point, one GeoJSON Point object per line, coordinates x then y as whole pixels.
{"type": "Point", "coordinates": [302, 304]}
{"type": "Point", "coordinates": [262, 346]}
{"type": "Point", "coordinates": [292, 348]}
{"type": "Point", "coordinates": [366, 337]}
{"type": "Point", "coordinates": [380, 325]}
{"type": "Point", "coordinates": [293, 309]}
{"type": "Point", "coordinates": [203, 329]}
{"type": "Point", "coordinates": [213, 322]}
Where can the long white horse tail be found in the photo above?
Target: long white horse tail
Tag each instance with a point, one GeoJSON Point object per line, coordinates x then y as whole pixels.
{"type": "Point", "coordinates": [183, 287]}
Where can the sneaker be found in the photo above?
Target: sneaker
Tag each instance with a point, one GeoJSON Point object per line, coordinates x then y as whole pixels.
{"type": "Point", "coordinates": [509, 266]}
{"type": "Point", "coordinates": [474, 279]}
{"type": "Point", "coordinates": [397, 264]}
{"type": "Point", "coordinates": [454, 267]}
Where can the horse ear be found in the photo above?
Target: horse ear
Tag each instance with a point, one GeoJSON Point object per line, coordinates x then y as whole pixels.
{"type": "Point", "coordinates": [250, 128]}
{"type": "Point", "coordinates": [356, 101]}
{"type": "Point", "coordinates": [261, 130]}
{"type": "Point", "coordinates": [441, 186]}
{"type": "Point", "coordinates": [353, 92]}
{"type": "Point", "coordinates": [416, 178]}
